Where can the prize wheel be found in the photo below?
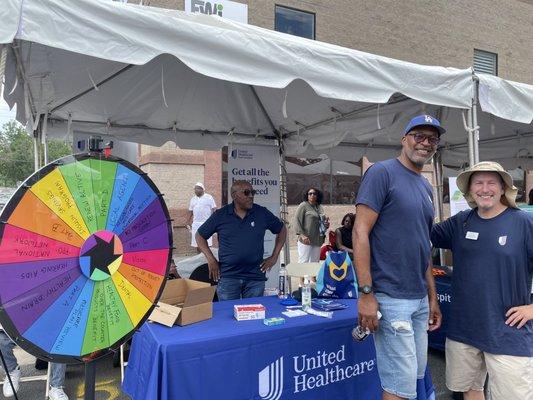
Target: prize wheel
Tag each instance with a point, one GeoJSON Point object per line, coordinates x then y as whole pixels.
{"type": "Point", "coordinates": [85, 245]}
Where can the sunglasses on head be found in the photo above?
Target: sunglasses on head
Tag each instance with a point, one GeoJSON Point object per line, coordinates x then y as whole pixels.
{"type": "Point", "coordinates": [420, 137]}
{"type": "Point", "coordinates": [248, 192]}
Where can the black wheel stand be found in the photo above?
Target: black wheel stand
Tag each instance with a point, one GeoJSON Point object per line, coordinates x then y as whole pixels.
{"type": "Point", "coordinates": [8, 376]}
{"type": "Point", "coordinates": [90, 380]}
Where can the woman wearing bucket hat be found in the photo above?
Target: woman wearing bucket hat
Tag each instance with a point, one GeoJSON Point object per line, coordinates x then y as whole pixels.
{"type": "Point", "coordinates": [491, 315]}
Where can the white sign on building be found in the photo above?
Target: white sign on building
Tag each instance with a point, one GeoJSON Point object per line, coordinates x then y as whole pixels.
{"type": "Point", "coordinates": [223, 8]}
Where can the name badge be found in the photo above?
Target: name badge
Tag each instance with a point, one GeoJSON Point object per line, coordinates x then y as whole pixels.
{"type": "Point", "coordinates": [472, 235]}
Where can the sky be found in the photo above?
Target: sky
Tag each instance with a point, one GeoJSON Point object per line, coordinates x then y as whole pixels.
{"type": "Point", "coordinates": [5, 114]}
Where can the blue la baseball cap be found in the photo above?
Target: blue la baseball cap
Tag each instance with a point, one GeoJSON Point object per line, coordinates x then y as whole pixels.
{"type": "Point", "coordinates": [424, 120]}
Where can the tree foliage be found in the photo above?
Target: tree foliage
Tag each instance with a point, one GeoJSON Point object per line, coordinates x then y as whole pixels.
{"type": "Point", "coordinates": [17, 156]}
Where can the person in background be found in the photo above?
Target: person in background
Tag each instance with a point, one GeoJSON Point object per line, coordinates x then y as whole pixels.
{"type": "Point", "coordinates": [57, 372]}
{"type": "Point", "coordinates": [394, 209]}
{"type": "Point", "coordinates": [241, 226]}
{"type": "Point", "coordinates": [201, 206]}
{"type": "Point", "coordinates": [344, 234]}
{"type": "Point", "coordinates": [530, 200]}
{"type": "Point", "coordinates": [491, 316]}
{"type": "Point", "coordinates": [311, 225]}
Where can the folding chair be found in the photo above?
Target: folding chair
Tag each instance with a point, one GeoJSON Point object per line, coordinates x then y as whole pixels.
{"type": "Point", "coordinates": [300, 270]}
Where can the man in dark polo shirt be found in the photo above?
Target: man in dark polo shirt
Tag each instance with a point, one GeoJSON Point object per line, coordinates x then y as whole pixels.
{"type": "Point", "coordinates": [241, 227]}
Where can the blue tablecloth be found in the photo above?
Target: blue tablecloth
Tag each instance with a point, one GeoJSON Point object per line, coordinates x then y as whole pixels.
{"type": "Point", "coordinates": [306, 358]}
{"type": "Point", "coordinates": [443, 283]}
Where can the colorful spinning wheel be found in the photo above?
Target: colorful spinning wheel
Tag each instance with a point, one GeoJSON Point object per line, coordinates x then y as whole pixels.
{"type": "Point", "coordinates": [85, 244]}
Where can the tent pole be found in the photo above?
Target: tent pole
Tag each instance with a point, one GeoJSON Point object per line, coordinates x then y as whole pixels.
{"type": "Point", "coordinates": [284, 200]}
{"type": "Point", "coordinates": [471, 155]}
{"type": "Point", "coordinates": [44, 139]}
{"type": "Point", "coordinates": [439, 183]}
{"type": "Point", "coordinates": [330, 181]}
{"type": "Point", "coordinates": [493, 140]}
{"type": "Point", "coordinates": [475, 131]}
{"type": "Point", "coordinates": [35, 153]}
{"type": "Point", "coordinates": [282, 176]}
{"type": "Point", "coordinates": [91, 89]}
{"type": "Point", "coordinates": [45, 151]}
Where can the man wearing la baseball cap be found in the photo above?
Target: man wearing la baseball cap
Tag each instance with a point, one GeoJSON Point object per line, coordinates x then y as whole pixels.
{"type": "Point", "coordinates": [491, 315]}
{"type": "Point", "coordinates": [395, 213]}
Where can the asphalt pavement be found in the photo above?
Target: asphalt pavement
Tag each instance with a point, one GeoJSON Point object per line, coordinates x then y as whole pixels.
{"type": "Point", "coordinates": [107, 380]}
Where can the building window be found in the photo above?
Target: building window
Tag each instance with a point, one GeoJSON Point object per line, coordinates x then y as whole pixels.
{"type": "Point", "coordinates": [295, 22]}
{"type": "Point", "coordinates": [485, 62]}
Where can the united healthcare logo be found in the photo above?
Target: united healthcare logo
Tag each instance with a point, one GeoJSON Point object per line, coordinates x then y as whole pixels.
{"type": "Point", "coordinates": [241, 154]}
{"type": "Point", "coordinates": [311, 371]}
{"type": "Point", "coordinates": [271, 380]}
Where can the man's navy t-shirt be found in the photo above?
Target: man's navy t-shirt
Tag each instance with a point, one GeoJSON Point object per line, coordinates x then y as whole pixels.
{"type": "Point", "coordinates": [492, 272]}
{"type": "Point", "coordinates": [399, 241]}
{"type": "Point", "coordinates": [240, 241]}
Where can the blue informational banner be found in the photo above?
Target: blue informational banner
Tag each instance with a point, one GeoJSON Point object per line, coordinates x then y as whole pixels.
{"type": "Point", "coordinates": [307, 357]}
{"type": "Point", "coordinates": [259, 166]}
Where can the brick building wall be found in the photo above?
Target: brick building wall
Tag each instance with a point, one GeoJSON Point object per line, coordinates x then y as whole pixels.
{"type": "Point", "coordinates": [175, 172]}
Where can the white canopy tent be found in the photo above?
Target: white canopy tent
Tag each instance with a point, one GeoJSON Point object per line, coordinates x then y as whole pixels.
{"type": "Point", "coordinates": [151, 75]}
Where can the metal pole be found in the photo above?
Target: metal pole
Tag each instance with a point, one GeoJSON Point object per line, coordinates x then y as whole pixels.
{"type": "Point", "coordinates": [35, 153]}
{"type": "Point", "coordinates": [45, 151]}
{"type": "Point", "coordinates": [90, 380]}
{"type": "Point", "coordinates": [44, 139]}
{"type": "Point", "coordinates": [439, 183]}
{"type": "Point", "coordinates": [284, 200]}
{"type": "Point", "coordinates": [475, 132]}
{"type": "Point", "coordinates": [330, 181]}
{"type": "Point", "coordinates": [471, 154]}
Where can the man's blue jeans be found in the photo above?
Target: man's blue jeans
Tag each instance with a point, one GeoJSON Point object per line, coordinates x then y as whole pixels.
{"type": "Point", "coordinates": [233, 289]}
{"type": "Point", "coordinates": [401, 343]}
{"type": "Point", "coordinates": [57, 371]}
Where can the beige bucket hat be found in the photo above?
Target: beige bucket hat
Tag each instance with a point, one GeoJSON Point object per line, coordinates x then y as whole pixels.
{"type": "Point", "coordinates": [463, 182]}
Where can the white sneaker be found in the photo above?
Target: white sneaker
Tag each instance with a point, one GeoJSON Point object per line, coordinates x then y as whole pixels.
{"type": "Point", "coordinates": [15, 378]}
{"type": "Point", "coordinates": [57, 394]}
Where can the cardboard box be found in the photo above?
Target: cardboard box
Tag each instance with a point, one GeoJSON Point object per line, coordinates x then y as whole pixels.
{"type": "Point", "coordinates": [246, 312]}
{"type": "Point", "coordinates": [184, 302]}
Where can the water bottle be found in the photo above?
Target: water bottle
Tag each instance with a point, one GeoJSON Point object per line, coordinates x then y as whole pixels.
{"type": "Point", "coordinates": [283, 286]}
{"type": "Point", "coordinates": [360, 334]}
{"type": "Point", "coordinates": [306, 293]}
